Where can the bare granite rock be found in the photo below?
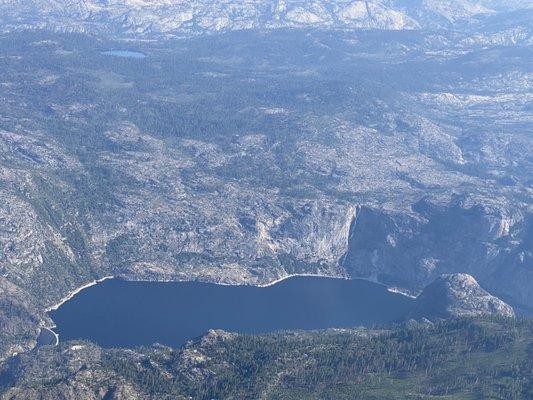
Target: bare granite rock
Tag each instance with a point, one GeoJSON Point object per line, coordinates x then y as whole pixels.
{"type": "Point", "coordinates": [457, 295]}
{"type": "Point", "coordinates": [201, 16]}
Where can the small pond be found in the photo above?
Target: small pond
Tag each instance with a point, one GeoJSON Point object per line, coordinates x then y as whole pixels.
{"type": "Point", "coordinates": [124, 53]}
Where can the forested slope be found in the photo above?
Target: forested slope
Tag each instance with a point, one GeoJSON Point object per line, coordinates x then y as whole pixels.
{"type": "Point", "coordinates": [456, 359]}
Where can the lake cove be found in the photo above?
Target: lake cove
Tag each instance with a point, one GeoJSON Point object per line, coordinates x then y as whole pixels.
{"type": "Point", "coordinates": [117, 313]}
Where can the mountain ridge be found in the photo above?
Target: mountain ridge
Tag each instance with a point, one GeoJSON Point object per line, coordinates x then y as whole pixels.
{"type": "Point", "coordinates": [176, 17]}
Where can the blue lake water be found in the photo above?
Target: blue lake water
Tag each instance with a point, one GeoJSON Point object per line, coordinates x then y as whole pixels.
{"type": "Point", "coordinates": [118, 313]}
{"type": "Point", "coordinates": [124, 53]}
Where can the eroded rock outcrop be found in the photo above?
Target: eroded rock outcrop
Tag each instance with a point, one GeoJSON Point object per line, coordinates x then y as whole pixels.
{"type": "Point", "coordinates": [457, 295]}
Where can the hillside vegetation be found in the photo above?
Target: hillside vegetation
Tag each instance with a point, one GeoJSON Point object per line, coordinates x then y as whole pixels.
{"type": "Point", "coordinates": [457, 359]}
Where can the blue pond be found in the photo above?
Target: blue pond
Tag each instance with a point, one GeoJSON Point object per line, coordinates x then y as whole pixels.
{"type": "Point", "coordinates": [118, 313]}
{"type": "Point", "coordinates": [124, 53]}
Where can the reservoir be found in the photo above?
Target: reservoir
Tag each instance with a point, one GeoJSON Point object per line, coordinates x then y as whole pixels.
{"type": "Point", "coordinates": [117, 313]}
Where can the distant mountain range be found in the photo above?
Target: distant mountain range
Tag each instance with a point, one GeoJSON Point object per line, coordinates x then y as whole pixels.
{"type": "Point", "coordinates": [206, 16]}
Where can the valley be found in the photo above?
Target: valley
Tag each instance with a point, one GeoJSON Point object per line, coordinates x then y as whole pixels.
{"type": "Point", "coordinates": [312, 157]}
{"type": "Point", "coordinates": [266, 199]}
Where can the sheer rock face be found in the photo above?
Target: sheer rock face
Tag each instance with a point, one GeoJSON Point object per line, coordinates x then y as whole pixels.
{"type": "Point", "coordinates": [457, 295]}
